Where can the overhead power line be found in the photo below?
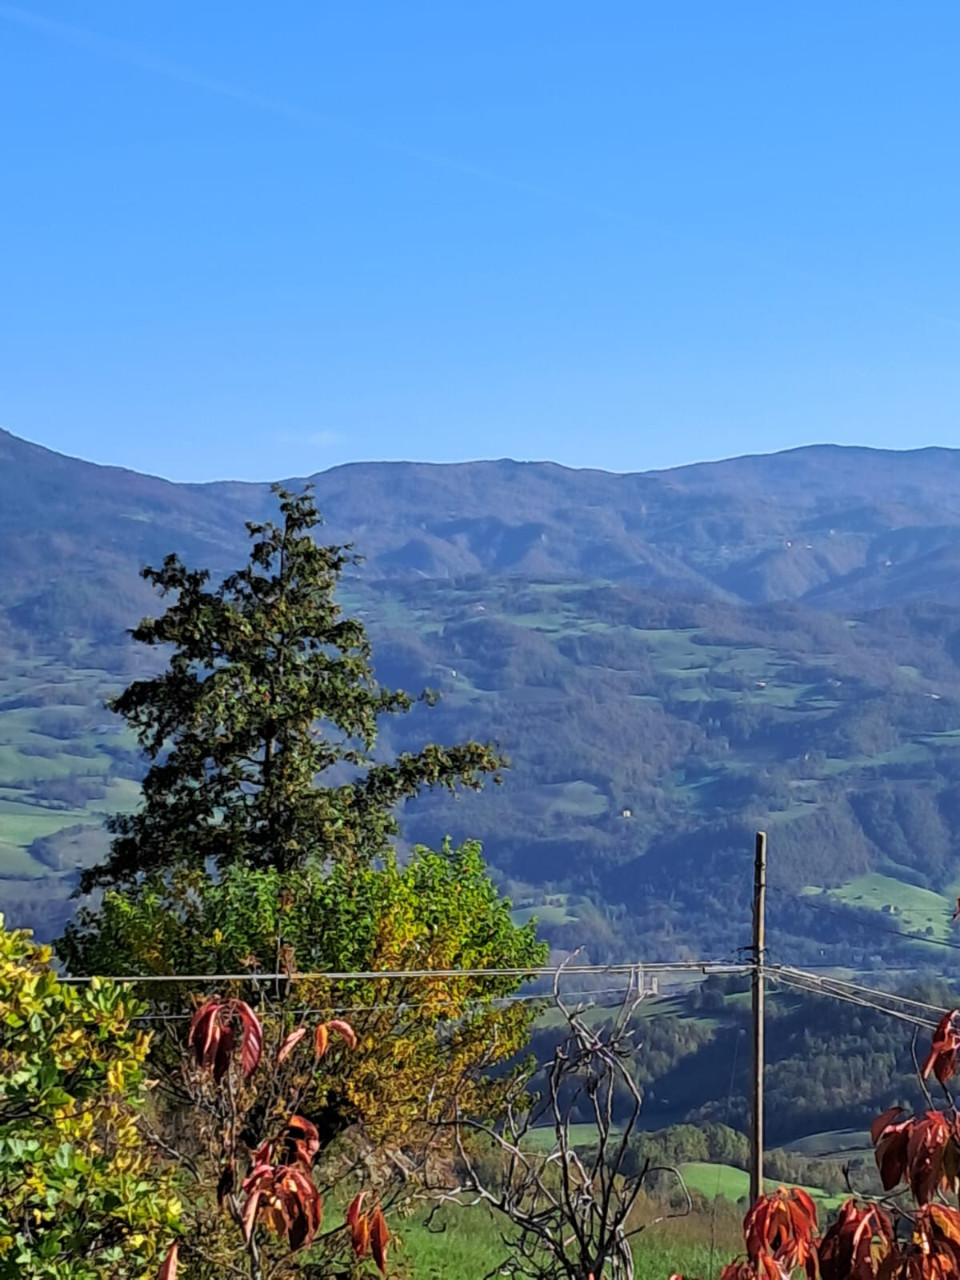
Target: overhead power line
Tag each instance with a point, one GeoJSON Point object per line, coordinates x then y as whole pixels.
{"type": "Point", "coordinates": [857, 987]}
{"type": "Point", "coordinates": [854, 993]}
{"type": "Point", "coordinates": [398, 975]}
{"type": "Point", "coordinates": [404, 1005]}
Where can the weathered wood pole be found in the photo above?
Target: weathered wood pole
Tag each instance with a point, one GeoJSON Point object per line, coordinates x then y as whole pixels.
{"type": "Point", "coordinates": [759, 945]}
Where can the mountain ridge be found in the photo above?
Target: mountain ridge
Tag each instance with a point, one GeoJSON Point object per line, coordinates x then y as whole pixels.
{"type": "Point", "coordinates": [805, 522]}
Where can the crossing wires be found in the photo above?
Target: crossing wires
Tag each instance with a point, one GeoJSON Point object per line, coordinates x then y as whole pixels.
{"type": "Point", "coordinates": [916, 1012]}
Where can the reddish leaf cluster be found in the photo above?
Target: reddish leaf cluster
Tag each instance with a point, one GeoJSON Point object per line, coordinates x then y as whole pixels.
{"type": "Point", "coordinates": [857, 1244]}
{"type": "Point", "coordinates": [942, 1058]}
{"type": "Point", "coordinates": [368, 1232]}
{"type": "Point", "coordinates": [935, 1252]}
{"type": "Point", "coordinates": [279, 1189]}
{"type": "Point", "coordinates": [779, 1232]}
{"type": "Point", "coordinates": [923, 1151]}
{"type": "Point", "coordinates": [285, 1199]}
{"type": "Point", "coordinates": [781, 1237]}
{"type": "Point", "coordinates": [213, 1036]}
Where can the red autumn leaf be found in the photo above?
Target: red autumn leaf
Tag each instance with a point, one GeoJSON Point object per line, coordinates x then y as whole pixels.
{"type": "Point", "coordinates": [258, 1181]}
{"type": "Point", "coordinates": [345, 1030]}
{"type": "Point", "coordinates": [169, 1269]}
{"type": "Point", "coordinates": [360, 1236]}
{"type": "Point", "coordinates": [301, 1205]}
{"type": "Point", "coordinates": [204, 1034]}
{"type": "Point", "coordinates": [890, 1139]}
{"type": "Point", "coordinates": [212, 1036]}
{"type": "Point", "coordinates": [942, 1058]}
{"type": "Point", "coordinates": [290, 1043]}
{"type": "Point", "coordinates": [359, 1226]}
{"type": "Point", "coordinates": [379, 1239]}
{"type": "Point", "coordinates": [738, 1271]}
{"type": "Point", "coordinates": [262, 1169]}
{"type": "Point", "coordinates": [937, 1233]}
{"type": "Point", "coordinates": [770, 1268]}
{"type": "Point", "coordinates": [321, 1039]}
{"type": "Point", "coordinates": [252, 1046]}
{"type": "Point", "coordinates": [303, 1139]}
{"type": "Point", "coordinates": [883, 1122]}
{"type": "Point", "coordinates": [947, 1222]}
{"type": "Point", "coordinates": [250, 1211]}
{"type": "Point", "coordinates": [356, 1204]}
{"type": "Point", "coordinates": [927, 1139]}
{"type": "Point", "coordinates": [803, 1210]}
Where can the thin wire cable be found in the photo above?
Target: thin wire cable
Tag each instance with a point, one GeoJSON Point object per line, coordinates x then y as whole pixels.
{"type": "Point", "coordinates": [866, 1004]}
{"type": "Point", "coordinates": [853, 992]}
{"type": "Point", "coordinates": [846, 985]}
{"type": "Point", "coordinates": [369, 975]}
{"type": "Point", "coordinates": [793, 985]}
{"type": "Point", "coordinates": [816, 989]}
{"type": "Point", "coordinates": [475, 1002]}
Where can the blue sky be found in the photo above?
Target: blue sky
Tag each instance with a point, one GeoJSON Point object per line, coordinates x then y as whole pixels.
{"type": "Point", "coordinates": [256, 240]}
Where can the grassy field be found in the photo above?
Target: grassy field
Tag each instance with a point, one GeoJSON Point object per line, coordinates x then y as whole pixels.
{"type": "Point", "coordinates": [909, 907]}
{"type": "Point", "coordinates": [712, 1180]}
{"type": "Point", "coordinates": [466, 1244]}
{"type": "Point", "coordinates": [60, 751]}
{"type": "Point", "coordinates": [544, 1139]}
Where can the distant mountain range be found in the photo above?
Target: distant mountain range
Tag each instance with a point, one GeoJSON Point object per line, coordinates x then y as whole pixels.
{"type": "Point", "coordinates": [825, 525]}
{"type": "Point", "coordinates": [670, 658]}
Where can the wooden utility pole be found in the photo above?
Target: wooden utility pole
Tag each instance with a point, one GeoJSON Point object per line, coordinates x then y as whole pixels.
{"type": "Point", "coordinates": [759, 944]}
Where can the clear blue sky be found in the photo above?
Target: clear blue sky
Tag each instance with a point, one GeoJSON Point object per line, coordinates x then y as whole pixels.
{"type": "Point", "coordinates": [254, 240]}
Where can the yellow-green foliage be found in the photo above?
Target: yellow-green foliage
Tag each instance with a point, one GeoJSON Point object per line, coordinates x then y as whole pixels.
{"type": "Point", "coordinates": [82, 1194]}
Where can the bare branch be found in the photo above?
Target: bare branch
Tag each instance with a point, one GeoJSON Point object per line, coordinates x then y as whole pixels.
{"type": "Point", "coordinates": [568, 1206]}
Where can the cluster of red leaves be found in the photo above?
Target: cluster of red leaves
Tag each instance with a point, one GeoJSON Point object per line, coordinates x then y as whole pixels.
{"type": "Point", "coordinates": [780, 1235]}
{"type": "Point", "coordinates": [857, 1245]}
{"type": "Point", "coordinates": [279, 1189]}
{"type": "Point", "coordinates": [368, 1232]}
{"type": "Point", "coordinates": [942, 1058]}
{"type": "Point", "coordinates": [935, 1251]}
{"type": "Point", "coordinates": [780, 1232]}
{"type": "Point", "coordinates": [923, 1151]}
{"type": "Point", "coordinates": [213, 1036]}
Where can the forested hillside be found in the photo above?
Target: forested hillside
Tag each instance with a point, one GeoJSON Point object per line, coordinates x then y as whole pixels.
{"type": "Point", "coordinates": [669, 660]}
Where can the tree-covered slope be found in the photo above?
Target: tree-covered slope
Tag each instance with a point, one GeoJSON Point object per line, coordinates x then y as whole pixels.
{"type": "Point", "coordinates": [669, 660]}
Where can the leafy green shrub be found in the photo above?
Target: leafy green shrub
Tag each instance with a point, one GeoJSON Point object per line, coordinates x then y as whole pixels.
{"type": "Point", "coordinates": [82, 1194]}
